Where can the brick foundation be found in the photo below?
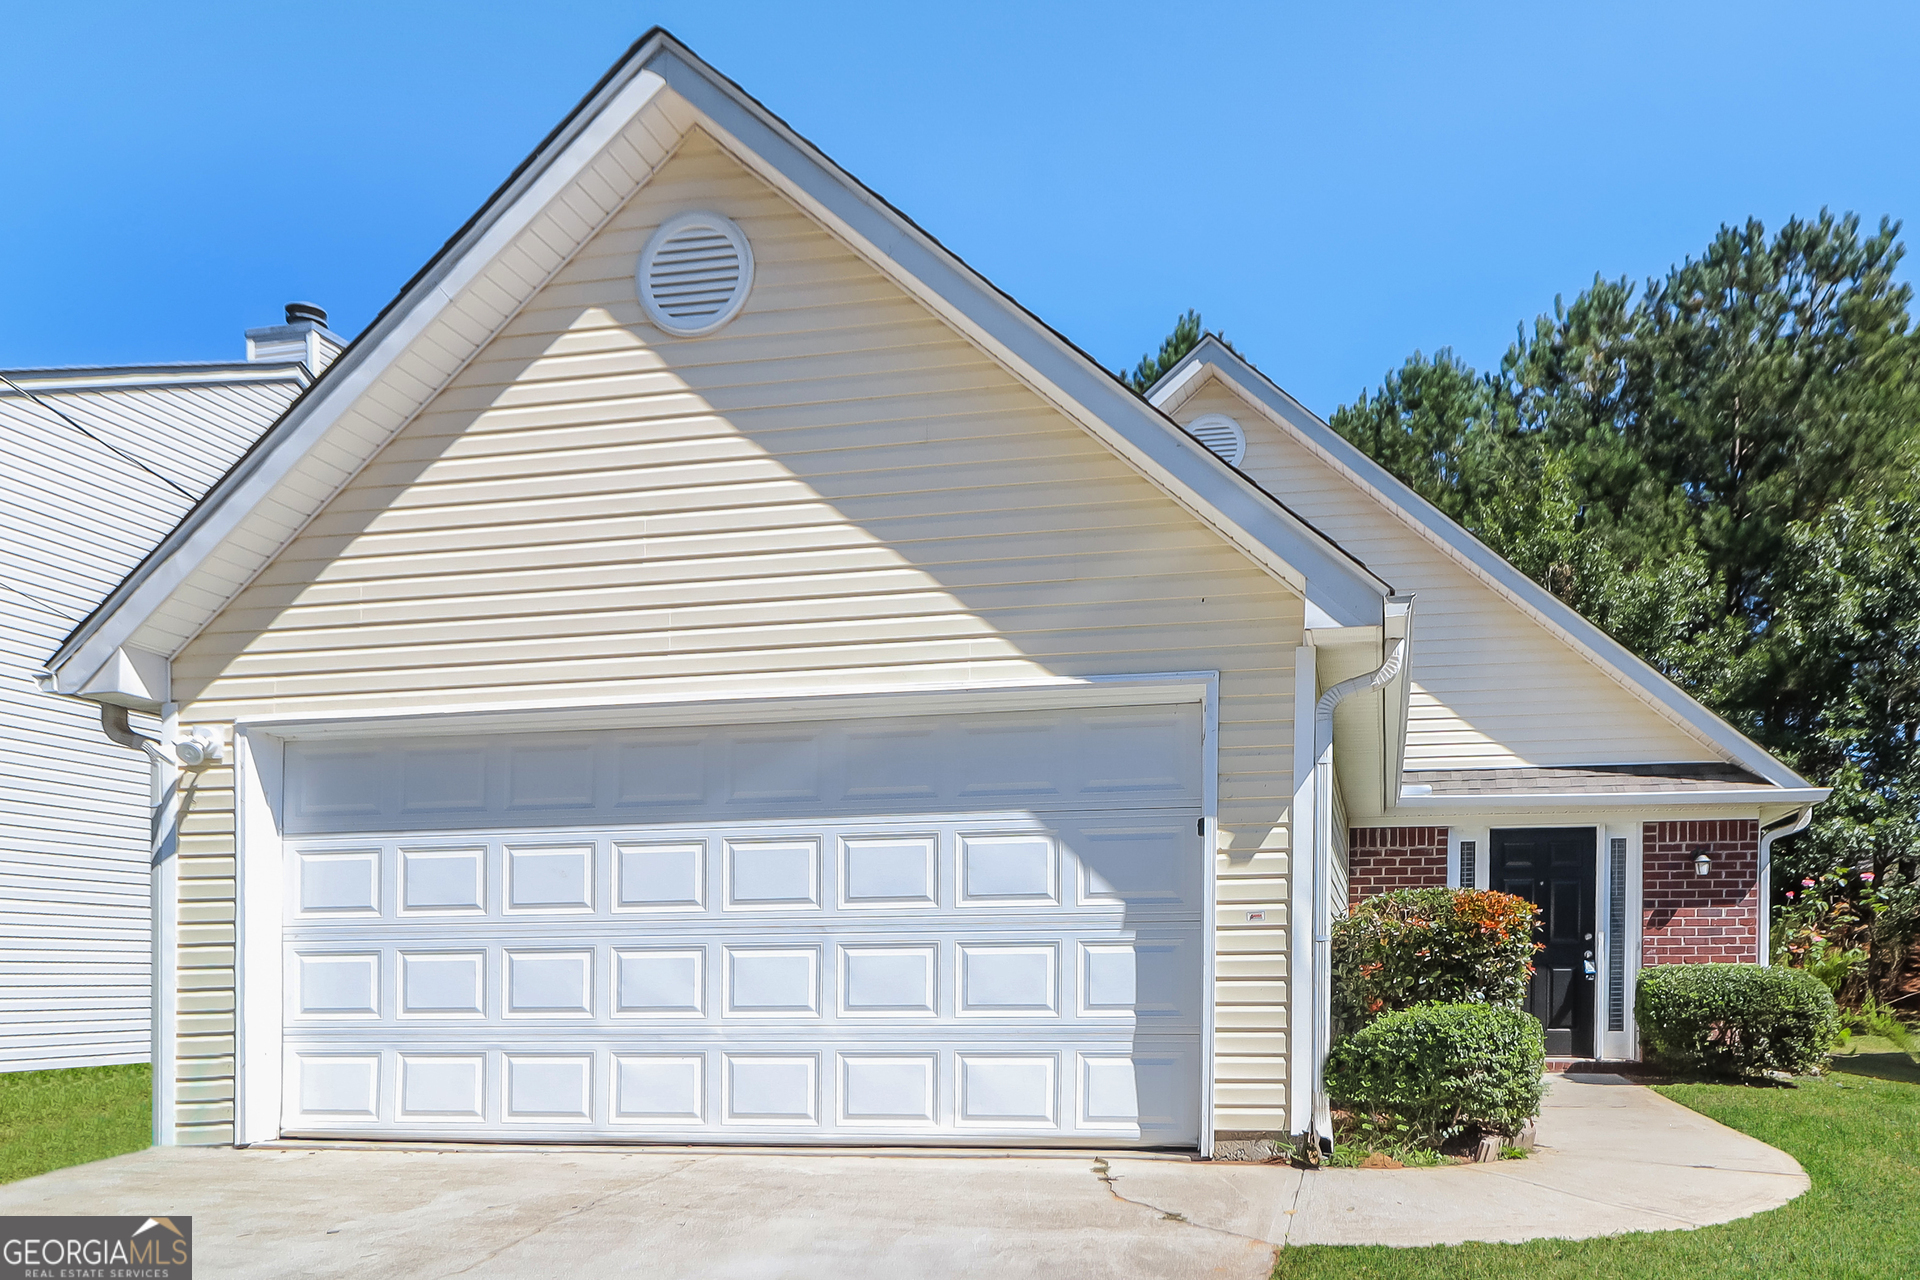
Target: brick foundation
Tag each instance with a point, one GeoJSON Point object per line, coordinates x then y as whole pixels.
{"type": "Point", "coordinates": [1380, 859]}
{"type": "Point", "coordinates": [1695, 919]}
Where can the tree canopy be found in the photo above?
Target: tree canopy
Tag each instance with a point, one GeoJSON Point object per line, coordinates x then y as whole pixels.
{"type": "Point", "coordinates": [1720, 467]}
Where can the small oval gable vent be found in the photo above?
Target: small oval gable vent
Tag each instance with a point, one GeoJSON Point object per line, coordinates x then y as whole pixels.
{"type": "Point", "coordinates": [694, 273]}
{"type": "Point", "coordinates": [1222, 436]}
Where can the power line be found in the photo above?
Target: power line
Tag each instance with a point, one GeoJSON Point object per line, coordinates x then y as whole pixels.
{"type": "Point", "coordinates": [103, 443]}
{"type": "Point", "coordinates": [35, 600]}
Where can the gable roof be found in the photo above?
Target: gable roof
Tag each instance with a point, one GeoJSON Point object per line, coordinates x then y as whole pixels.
{"type": "Point", "coordinates": [1440, 530]}
{"type": "Point", "coordinates": [578, 177]}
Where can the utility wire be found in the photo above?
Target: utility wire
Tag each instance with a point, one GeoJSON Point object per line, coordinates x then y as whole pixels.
{"type": "Point", "coordinates": [35, 600]}
{"type": "Point", "coordinates": [105, 444]}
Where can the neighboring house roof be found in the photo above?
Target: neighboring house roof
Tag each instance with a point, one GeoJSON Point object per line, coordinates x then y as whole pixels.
{"type": "Point", "coordinates": [99, 463]}
{"type": "Point", "coordinates": [1521, 592]}
{"type": "Point", "coordinates": [577, 179]}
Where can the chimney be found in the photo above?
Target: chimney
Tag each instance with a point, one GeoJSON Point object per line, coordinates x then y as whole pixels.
{"type": "Point", "coordinates": [304, 337]}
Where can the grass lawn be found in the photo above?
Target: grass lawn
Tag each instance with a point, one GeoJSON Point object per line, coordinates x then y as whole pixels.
{"type": "Point", "coordinates": [1857, 1134]}
{"type": "Point", "coordinates": [51, 1119]}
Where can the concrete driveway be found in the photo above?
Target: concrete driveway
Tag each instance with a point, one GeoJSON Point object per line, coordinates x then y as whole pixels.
{"type": "Point", "coordinates": [1619, 1158]}
{"type": "Point", "coordinates": [582, 1215]}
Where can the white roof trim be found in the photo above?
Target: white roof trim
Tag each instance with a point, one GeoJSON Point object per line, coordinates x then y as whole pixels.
{"type": "Point", "coordinates": [1612, 657]}
{"type": "Point", "coordinates": [126, 377]}
{"type": "Point", "coordinates": [659, 71]}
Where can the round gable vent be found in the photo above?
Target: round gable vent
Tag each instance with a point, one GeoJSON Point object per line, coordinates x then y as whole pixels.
{"type": "Point", "coordinates": [1222, 436]}
{"type": "Point", "coordinates": [694, 273]}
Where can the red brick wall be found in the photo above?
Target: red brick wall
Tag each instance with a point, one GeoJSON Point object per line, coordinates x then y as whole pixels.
{"type": "Point", "coordinates": [1384, 858]}
{"type": "Point", "coordinates": [1690, 918]}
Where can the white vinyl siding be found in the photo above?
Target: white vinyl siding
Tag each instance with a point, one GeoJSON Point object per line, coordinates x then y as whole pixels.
{"type": "Point", "coordinates": [1490, 687]}
{"type": "Point", "coordinates": [74, 815]}
{"type": "Point", "coordinates": [833, 492]}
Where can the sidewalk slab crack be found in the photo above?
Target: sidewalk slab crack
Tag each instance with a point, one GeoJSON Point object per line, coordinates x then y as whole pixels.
{"type": "Point", "coordinates": [1104, 1173]}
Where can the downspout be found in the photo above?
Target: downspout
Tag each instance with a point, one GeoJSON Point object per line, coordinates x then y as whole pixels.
{"type": "Point", "coordinates": [164, 889]}
{"type": "Point", "coordinates": [1788, 826]}
{"type": "Point", "coordinates": [1323, 874]}
{"type": "Point", "coordinates": [114, 723]}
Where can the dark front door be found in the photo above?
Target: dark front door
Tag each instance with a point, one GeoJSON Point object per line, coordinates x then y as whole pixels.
{"type": "Point", "coordinates": [1554, 869]}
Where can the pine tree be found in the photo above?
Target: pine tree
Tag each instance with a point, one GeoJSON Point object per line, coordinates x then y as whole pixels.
{"type": "Point", "coordinates": [1723, 470]}
{"type": "Point", "coordinates": [1186, 335]}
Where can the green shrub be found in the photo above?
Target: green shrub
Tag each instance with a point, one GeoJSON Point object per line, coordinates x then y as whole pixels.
{"type": "Point", "coordinates": [1735, 1019]}
{"type": "Point", "coordinates": [1419, 946]}
{"type": "Point", "coordinates": [1438, 1068]}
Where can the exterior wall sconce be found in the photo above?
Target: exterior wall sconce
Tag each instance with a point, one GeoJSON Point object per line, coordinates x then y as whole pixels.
{"type": "Point", "coordinates": [1701, 862]}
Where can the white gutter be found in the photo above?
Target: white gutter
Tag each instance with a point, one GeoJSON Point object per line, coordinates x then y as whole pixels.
{"type": "Point", "coordinates": [1323, 874]}
{"type": "Point", "coordinates": [1785, 827]}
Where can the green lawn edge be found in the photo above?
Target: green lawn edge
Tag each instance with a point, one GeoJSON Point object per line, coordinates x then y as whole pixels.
{"type": "Point", "coordinates": [53, 1119]}
{"type": "Point", "coordinates": [1856, 1131]}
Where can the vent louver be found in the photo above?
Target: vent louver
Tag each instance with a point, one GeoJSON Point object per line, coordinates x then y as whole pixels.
{"type": "Point", "coordinates": [1222, 436]}
{"type": "Point", "coordinates": [694, 274]}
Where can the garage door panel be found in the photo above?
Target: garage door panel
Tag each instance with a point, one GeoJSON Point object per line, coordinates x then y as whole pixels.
{"type": "Point", "coordinates": [660, 1089]}
{"type": "Point", "coordinates": [659, 982]}
{"type": "Point", "coordinates": [660, 877]}
{"type": "Point", "coordinates": [443, 881]}
{"type": "Point", "coordinates": [676, 1091]}
{"type": "Point", "coordinates": [893, 872]}
{"type": "Point", "coordinates": [1100, 758]}
{"type": "Point", "coordinates": [971, 867]}
{"type": "Point", "coordinates": [342, 882]}
{"type": "Point", "coordinates": [1015, 973]}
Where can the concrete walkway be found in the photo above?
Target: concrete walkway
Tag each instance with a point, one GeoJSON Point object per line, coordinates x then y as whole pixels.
{"type": "Point", "coordinates": [1614, 1157]}
{"type": "Point", "coordinates": [1619, 1158]}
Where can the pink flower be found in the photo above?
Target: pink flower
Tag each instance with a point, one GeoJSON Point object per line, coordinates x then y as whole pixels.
{"type": "Point", "coordinates": [1808, 884]}
{"type": "Point", "coordinates": [1789, 893]}
{"type": "Point", "coordinates": [1867, 876]}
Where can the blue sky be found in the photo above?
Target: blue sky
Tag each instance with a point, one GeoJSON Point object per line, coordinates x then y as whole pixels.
{"type": "Point", "coordinates": [1333, 185]}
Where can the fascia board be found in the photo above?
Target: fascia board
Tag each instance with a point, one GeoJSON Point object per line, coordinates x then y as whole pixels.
{"type": "Point", "coordinates": [1548, 609]}
{"type": "Point", "coordinates": [199, 535]}
{"type": "Point", "coordinates": [1330, 577]}
{"type": "Point", "coordinates": [1460, 805]}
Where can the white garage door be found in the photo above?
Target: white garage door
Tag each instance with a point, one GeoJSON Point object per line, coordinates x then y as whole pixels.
{"type": "Point", "coordinates": [938, 930]}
